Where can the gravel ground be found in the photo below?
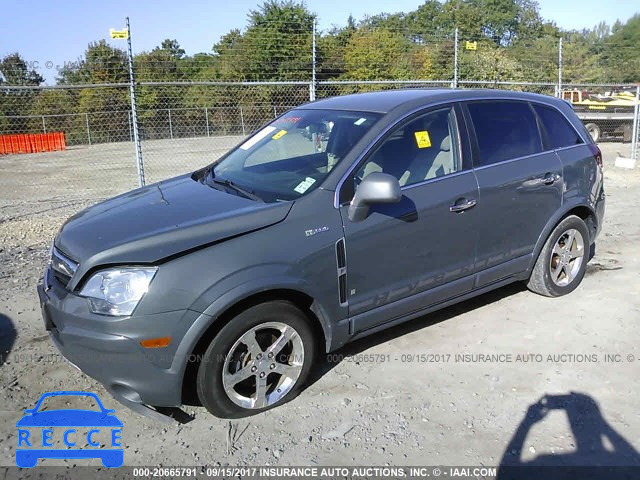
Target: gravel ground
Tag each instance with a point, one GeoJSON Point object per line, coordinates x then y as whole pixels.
{"type": "Point", "coordinates": [435, 409]}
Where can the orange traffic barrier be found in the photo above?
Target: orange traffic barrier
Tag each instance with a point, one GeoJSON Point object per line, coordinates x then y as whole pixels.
{"type": "Point", "coordinates": [23, 144]}
{"type": "Point", "coordinates": [58, 136]}
{"type": "Point", "coordinates": [32, 142]}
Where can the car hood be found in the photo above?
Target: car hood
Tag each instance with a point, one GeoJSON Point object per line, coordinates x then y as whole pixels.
{"type": "Point", "coordinates": [152, 223]}
{"type": "Point", "coordinates": [69, 418]}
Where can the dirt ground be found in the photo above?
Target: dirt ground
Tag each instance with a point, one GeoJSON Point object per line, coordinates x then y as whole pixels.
{"type": "Point", "coordinates": [469, 397]}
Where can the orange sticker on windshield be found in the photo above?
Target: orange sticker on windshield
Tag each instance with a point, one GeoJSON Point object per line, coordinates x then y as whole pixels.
{"type": "Point", "coordinates": [280, 134]}
{"type": "Point", "coordinates": [422, 139]}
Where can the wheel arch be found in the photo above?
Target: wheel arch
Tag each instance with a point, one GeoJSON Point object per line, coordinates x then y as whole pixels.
{"type": "Point", "coordinates": [582, 210]}
{"type": "Point", "coordinates": [301, 299]}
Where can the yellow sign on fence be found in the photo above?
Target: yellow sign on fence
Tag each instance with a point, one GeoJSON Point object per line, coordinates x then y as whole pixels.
{"type": "Point", "coordinates": [119, 34]}
{"type": "Point", "coordinates": [471, 45]}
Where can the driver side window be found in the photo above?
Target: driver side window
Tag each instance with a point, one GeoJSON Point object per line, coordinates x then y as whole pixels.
{"type": "Point", "coordinates": [418, 150]}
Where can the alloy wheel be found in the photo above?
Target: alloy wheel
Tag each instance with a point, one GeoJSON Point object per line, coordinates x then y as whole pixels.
{"type": "Point", "coordinates": [566, 257]}
{"type": "Point", "coordinates": [263, 365]}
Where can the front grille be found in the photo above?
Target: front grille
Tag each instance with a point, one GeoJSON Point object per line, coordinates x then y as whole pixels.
{"type": "Point", "coordinates": [63, 267]}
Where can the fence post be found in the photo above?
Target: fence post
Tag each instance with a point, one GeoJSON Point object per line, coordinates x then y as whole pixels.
{"type": "Point", "coordinates": [242, 121]}
{"type": "Point", "coordinates": [312, 87]}
{"type": "Point", "coordinates": [206, 119]}
{"type": "Point", "coordinates": [44, 127]}
{"type": "Point", "coordinates": [86, 120]}
{"type": "Point", "coordinates": [130, 130]}
{"type": "Point", "coordinates": [636, 126]}
{"type": "Point", "coordinates": [134, 111]}
{"type": "Point", "coordinates": [455, 59]}
{"type": "Point", "coordinates": [170, 125]}
{"type": "Point", "coordinates": [560, 68]}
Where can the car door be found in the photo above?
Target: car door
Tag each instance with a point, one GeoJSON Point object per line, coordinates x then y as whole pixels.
{"type": "Point", "coordinates": [420, 251]}
{"type": "Point", "coordinates": [520, 185]}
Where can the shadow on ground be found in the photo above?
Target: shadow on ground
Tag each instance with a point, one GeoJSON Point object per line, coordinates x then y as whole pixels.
{"type": "Point", "coordinates": [326, 363]}
{"type": "Point", "coordinates": [600, 452]}
{"type": "Point", "coordinates": [8, 336]}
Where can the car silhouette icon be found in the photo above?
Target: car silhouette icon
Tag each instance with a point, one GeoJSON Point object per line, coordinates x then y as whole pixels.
{"type": "Point", "coordinates": [71, 418]}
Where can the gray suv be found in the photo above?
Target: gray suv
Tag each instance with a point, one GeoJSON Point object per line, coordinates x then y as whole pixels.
{"type": "Point", "coordinates": [338, 219]}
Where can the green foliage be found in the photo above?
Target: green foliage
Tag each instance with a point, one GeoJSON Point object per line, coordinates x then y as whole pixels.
{"type": "Point", "coordinates": [379, 54]}
{"type": "Point", "coordinates": [15, 71]}
{"type": "Point", "coordinates": [513, 43]}
{"type": "Point", "coordinates": [275, 46]}
{"type": "Point", "coordinates": [489, 63]}
{"type": "Point", "coordinates": [621, 51]}
{"type": "Point", "coordinates": [102, 63]}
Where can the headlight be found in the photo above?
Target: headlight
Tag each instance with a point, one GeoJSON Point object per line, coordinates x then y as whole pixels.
{"type": "Point", "coordinates": [117, 291]}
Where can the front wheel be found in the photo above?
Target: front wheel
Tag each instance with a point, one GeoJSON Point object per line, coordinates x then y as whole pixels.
{"type": "Point", "coordinates": [563, 260]}
{"type": "Point", "coordinates": [259, 360]}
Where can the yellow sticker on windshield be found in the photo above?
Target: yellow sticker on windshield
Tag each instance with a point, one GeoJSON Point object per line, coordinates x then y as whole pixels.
{"type": "Point", "coordinates": [280, 134]}
{"type": "Point", "coordinates": [422, 139]}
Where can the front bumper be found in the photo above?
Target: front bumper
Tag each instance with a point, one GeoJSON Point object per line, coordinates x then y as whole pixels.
{"type": "Point", "coordinates": [108, 348]}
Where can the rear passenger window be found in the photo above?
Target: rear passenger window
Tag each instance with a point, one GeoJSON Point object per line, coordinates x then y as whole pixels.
{"type": "Point", "coordinates": [504, 130]}
{"type": "Point", "coordinates": [559, 131]}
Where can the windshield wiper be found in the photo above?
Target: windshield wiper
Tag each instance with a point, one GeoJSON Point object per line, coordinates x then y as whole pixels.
{"type": "Point", "coordinates": [228, 183]}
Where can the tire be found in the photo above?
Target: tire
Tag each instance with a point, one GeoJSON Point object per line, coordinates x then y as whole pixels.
{"type": "Point", "coordinates": [594, 131]}
{"type": "Point", "coordinates": [239, 376]}
{"type": "Point", "coordinates": [559, 271]}
{"type": "Point", "coordinates": [627, 132]}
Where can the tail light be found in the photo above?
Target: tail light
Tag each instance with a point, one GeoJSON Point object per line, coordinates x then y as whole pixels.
{"type": "Point", "coordinates": [597, 154]}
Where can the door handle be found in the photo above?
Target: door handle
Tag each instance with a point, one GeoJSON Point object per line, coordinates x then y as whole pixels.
{"type": "Point", "coordinates": [550, 178]}
{"type": "Point", "coordinates": [462, 204]}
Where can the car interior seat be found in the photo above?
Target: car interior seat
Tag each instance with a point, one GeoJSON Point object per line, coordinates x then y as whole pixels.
{"type": "Point", "coordinates": [344, 135]}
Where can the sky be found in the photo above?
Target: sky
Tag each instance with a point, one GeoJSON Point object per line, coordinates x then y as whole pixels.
{"type": "Point", "coordinates": [47, 34]}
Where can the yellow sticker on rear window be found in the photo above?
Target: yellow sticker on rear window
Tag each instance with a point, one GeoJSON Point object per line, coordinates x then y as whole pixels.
{"type": "Point", "coordinates": [422, 139]}
{"type": "Point", "coordinates": [280, 134]}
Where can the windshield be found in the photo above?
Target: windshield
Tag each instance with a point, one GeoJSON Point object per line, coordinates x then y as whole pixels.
{"type": "Point", "coordinates": [291, 156]}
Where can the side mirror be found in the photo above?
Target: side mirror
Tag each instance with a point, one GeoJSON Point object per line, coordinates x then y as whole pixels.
{"type": "Point", "coordinates": [375, 188]}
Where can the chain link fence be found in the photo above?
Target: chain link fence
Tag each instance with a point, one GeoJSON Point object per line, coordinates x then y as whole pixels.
{"type": "Point", "coordinates": [186, 126]}
{"type": "Point", "coordinates": [185, 123]}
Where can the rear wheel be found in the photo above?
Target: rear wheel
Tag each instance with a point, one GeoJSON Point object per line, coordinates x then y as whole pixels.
{"type": "Point", "coordinates": [259, 360]}
{"type": "Point", "coordinates": [562, 262]}
{"type": "Point", "coordinates": [594, 131]}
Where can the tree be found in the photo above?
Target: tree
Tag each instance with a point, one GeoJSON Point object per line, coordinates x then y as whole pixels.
{"type": "Point", "coordinates": [172, 47]}
{"type": "Point", "coordinates": [427, 19]}
{"type": "Point", "coordinates": [161, 64]}
{"type": "Point", "coordinates": [330, 50]}
{"type": "Point", "coordinates": [379, 54]}
{"type": "Point", "coordinates": [580, 60]}
{"type": "Point", "coordinates": [102, 63]}
{"type": "Point", "coordinates": [621, 51]}
{"type": "Point", "coordinates": [275, 46]}
{"type": "Point", "coordinates": [229, 52]}
{"type": "Point", "coordinates": [15, 71]}
{"type": "Point", "coordinates": [15, 104]}
{"type": "Point", "coordinates": [489, 63]}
